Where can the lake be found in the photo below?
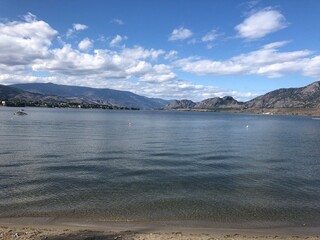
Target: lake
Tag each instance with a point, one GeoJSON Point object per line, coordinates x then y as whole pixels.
{"type": "Point", "coordinates": [158, 165]}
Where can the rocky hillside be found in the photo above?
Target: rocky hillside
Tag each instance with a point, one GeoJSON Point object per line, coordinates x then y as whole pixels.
{"type": "Point", "coordinates": [217, 102]}
{"type": "Point", "coordinates": [210, 103]}
{"type": "Point", "coordinates": [285, 99]}
{"type": "Point", "coordinates": [180, 104]}
{"type": "Point", "coordinates": [304, 97]}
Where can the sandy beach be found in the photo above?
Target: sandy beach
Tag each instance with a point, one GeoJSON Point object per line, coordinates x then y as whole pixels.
{"type": "Point", "coordinates": [63, 229]}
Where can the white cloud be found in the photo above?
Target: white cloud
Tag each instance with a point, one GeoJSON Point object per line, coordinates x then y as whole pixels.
{"type": "Point", "coordinates": [267, 61]}
{"type": "Point", "coordinates": [138, 52]}
{"type": "Point", "coordinates": [76, 27]}
{"type": "Point", "coordinates": [311, 67]}
{"type": "Point", "coordinates": [69, 61]}
{"type": "Point", "coordinates": [210, 36]}
{"type": "Point", "coordinates": [117, 21]}
{"type": "Point", "coordinates": [79, 27]}
{"type": "Point", "coordinates": [85, 45]}
{"type": "Point", "coordinates": [275, 45]}
{"type": "Point", "coordinates": [260, 24]}
{"type": "Point", "coordinates": [182, 89]}
{"type": "Point", "coordinates": [180, 34]}
{"type": "Point", "coordinates": [117, 40]}
{"type": "Point", "coordinates": [159, 73]}
{"type": "Point", "coordinates": [106, 64]}
{"type": "Point", "coordinates": [14, 78]}
{"type": "Point", "coordinates": [21, 43]}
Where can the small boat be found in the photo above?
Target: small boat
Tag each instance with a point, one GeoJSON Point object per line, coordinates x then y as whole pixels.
{"type": "Point", "coordinates": [21, 113]}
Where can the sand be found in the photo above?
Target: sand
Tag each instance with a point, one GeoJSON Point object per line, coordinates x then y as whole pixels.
{"type": "Point", "coordinates": [53, 229]}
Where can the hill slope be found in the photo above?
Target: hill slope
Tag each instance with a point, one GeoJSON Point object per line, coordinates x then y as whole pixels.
{"type": "Point", "coordinates": [207, 104]}
{"type": "Point", "coordinates": [180, 104]}
{"type": "Point", "coordinates": [100, 96]}
{"type": "Point", "coordinates": [9, 92]}
{"type": "Point", "coordinates": [304, 97]}
{"type": "Point", "coordinates": [217, 102]}
{"type": "Point", "coordinates": [304, 100]}
{"type": "Point", "coordinates": [15, 95]}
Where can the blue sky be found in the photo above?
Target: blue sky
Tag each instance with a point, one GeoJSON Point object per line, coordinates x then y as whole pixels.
{"type": "Point", "coordinates": [169, 49]}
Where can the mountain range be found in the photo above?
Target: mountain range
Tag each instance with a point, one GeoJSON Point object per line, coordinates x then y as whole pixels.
{"type": "Point", "coordinates": [285, 100]}
{"type": "Point", "coordinates": [304, 100]}
{"type": "Point", "coordinates": [54, 93]}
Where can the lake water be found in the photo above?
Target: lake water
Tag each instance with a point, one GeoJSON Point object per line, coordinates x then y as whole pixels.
{"type": "Point", "coordinates": [157, 165]}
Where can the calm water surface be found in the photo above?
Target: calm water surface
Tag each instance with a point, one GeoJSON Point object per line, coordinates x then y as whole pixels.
{"type": "Point", "coordinates": [150, 165]}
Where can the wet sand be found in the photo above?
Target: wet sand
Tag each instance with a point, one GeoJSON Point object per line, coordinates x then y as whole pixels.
{"type": "Point", "coordinates": [65, 229]}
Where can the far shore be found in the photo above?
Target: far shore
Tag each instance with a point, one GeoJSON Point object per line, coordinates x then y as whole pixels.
{"type": "Point", "coordinates": [76, 229]}
{"type": "Point", "coordinates": [264, 111]}
{"type": "Point", "coordinates": [315, 112]}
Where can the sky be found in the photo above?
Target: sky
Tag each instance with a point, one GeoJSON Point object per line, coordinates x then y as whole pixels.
{"type": "Point", "coordinates": [170, 49]}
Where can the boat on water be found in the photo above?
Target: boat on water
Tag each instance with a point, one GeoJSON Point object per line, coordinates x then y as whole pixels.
{"type": "Point", "coordinates": [21, 113]}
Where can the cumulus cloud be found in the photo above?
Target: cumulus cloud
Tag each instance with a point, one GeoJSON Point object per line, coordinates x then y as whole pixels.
{"type": "Point", "coordinates": [138, 52]}
{"type": "Point", "coordinates": [16, 77]}
{"type": "Point", "coordinates": [79, 27]}
{"type": "Point", "coordinates": [117, 40]}
{"type": "Point", "coordinates": [21, 43]}
{"type": "Point", "coordinates": [260, 24]}
{"type": "Point", "coordinates": [208, 67]}
{"type": "Point", "coordinates": [69, 61]}
{"type": "Point", "coordinates": [180, 34]}
{"type": "Point", "coordinates": [106, 64]}
{"type": "Point", "coordinates": [159, 73]}
{"type": "Point", "coordinates": [76, 27]}
{"type": "Point", "coordinates": [85, 45]}
{"type": "Point", "coordinates": [267, 61]}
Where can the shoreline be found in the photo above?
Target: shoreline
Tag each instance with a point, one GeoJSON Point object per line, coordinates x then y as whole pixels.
{"type": "Point", "coordinates": [307, 112]}
{"type": "Point", "coordinates": [26, 228]}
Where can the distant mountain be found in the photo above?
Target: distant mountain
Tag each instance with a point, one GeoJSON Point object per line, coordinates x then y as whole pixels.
{"type": "Point", "coordinates": [304, 100]}
{"type": "Point", "coordinates": [207, 104]}
{"type": "Point", "coordinates": [12, 93]}
{"type": "Point", "coordinates": [16, 95]}
{"type": "Point", "coordinates": [217, 102]}
{"type": "Point", "coordinates": [9, 92]}
{"type": "Point", "coordinates": [180, 104]}
{"type": "Point", "coordinates": [94, 95]}
{"type": "Point", "coordinates": [304, 97]}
